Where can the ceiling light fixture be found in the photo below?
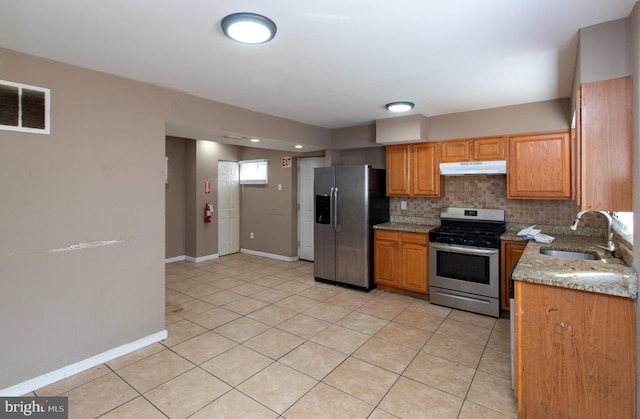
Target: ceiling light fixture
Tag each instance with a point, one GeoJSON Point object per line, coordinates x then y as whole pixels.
{"type": "Point", "coordinates": [399, 106]}
{"type": "Point", "coordinates": [248, 28]}
{"type": "Point", "coordinates": [254, 140]}
{"type": "Point", "coordinates": [298, 146]}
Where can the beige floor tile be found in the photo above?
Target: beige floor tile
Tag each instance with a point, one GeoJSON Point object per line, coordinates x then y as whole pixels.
{"type": "Point", "coordinates": [426, 308]}
{"type": "Point", "coordinates": [385, 354]}
{"type": "Point", "coordinates": [135, 356]}
{"type": "Point", "coordinates": [187, 393]}
{"type": "Point", "coordinates": [270, 281]}
{"type": "Point", "coordinates": [363, 323]}
{"type": "Point", "coordinates": [381, 414]}
{"type": "Point", "coordinates": [500, 340]}
{"type": "Point", "coordinates": [242, 329]}
{"type": "Point", "coordinates": [249, 275]}
{"type": "Point", "coordinates": [170, 317]}
{"type": "Point", "coordinates": [270, 295]}
{"type": "Point", "coordinates": [297, 303]}
{"type": "Point", "coordinates": [476, 320]}
{"type": "Point", "coordinates": [473, 411]}
{"type": "Point", "coordinates": [293, 286]}
{"type": "Point", "coordinates": [348, 299]}
{"type": "Point", "coordinates": [327, 312]}
{"type": "Point", "coordinates": [74, 381]}
{"type": "Point", "coordinates": [382, 310]}
{"type": "Point", "coordinates": [324, 401]}
{"type": "Point", "coordinates": [394, 299]}
{"type": "Point", "coordinates": [464, 332]}
{"type": "Point", "coordinates": [277, 386]}
{"type": "Point", "coordinates": [319, 293]}
{"type": "Point", "coordinates": [272, 314]}
{"type": "Point", "coordinates": [237, 364]}
{"type": "Point", "coordinates": [235, 405]}
{"type": "Point", "coordinates": [181, 284]}
{"type": "Point", "coordinates": [454, 349]}
{"type": "Point", "coordinates": [194, 307]}
{"type": "Point", "coordinates": [135, 409]}
{"type": "Point", "coordinates": [411, 399]}
{"type": "Point", "coordinates": [213, 318]}
{"type": "Point", "coordinates": [223, 297]}
{"type": "Point", "coordinates": [154, 370]}
{"type": "Point", "coordinates": [362, 380]}
{"type": "Point", "coordinates": [493, 392]}
{"type": "Point", "coordinates": [247, 289]}
{"type": "Point", "coordinates": [404, 335]}
{"type": "Point", "coordinates": [203, 347]}
{"type": "Point", "coordinates": [304, 326]}
{"type": "Point", "coordinates": [442, 374]}
{"type": "Point", "coordinates": [418, 320]}
{"type": "Point", "coordinates": [496, 363]}
{"type": "Point", "coordinates": [274, 343]}
{"type": "Point", "coordinates": [200, 291]}
{"type": "Point", "coordinates": [313, 359]}
{"type": "Point", "coordinates": [174, 298]}
{"type": "Point", "coordinates": [181, 331]}
{"type": "Point", "coordinates": [99, 396]}
{"type": "Point", "coordinates": [341, 339]}
{"type": "Point", "coordinates": [245, 305]}
{"type": "Point", "coordinates": [226, 281]}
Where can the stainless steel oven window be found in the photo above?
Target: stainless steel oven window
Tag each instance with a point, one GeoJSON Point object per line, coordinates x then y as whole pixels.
{"type": "Point", "coordinates": [464, 267]}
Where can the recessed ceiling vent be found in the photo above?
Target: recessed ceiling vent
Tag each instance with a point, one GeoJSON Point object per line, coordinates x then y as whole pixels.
{"type": "Point", "coordinates": [24, 108]}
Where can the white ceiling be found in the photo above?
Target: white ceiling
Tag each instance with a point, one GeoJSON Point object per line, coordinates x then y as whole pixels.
{"type": "Point", "coordinates": [333, 63]}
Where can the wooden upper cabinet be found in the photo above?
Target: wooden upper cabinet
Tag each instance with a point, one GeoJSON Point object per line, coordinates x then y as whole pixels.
{"type": "Point", "coordinates": [539, 166]}
{"type": "Point", "coordinates": [605, 146]}
{"type": "Point", "coordinates": [398, 170]}
{"type": "Point", "coordinates": [413, 170]}
{"type": "Point", "coordinates": [477, 149]}
{"type": "Point", "coordinates": [425, 170]}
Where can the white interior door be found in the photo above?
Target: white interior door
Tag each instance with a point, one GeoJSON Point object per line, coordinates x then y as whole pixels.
{"type": "Point", "coordinates": [228, 207]}
{"type": "Point", "coordinates": [306, 204]}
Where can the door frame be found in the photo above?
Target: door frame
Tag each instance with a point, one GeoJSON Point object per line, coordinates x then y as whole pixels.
{"type": "Point", "coordinates": [315, 162]}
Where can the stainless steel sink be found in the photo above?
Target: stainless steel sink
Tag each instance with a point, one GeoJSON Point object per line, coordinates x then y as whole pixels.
{"type": "Point", "coordinates": [568, 254]}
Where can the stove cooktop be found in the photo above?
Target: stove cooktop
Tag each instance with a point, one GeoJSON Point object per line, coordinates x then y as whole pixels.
{"type": "Point", "coordinates": [461, 227]}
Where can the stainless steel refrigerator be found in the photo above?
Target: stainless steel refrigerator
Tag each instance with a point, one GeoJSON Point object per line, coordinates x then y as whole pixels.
{"type": "Point", "coordinates": [349, 200]}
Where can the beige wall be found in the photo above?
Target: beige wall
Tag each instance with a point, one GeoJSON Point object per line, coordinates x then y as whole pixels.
{"type": "Point", "coordinates": [97, 179]}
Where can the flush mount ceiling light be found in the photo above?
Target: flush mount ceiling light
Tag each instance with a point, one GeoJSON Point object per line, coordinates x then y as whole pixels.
{"type": "Point", "coordinates": [248, 28]}
{"type": "Point", "coordinates": [399, 106]}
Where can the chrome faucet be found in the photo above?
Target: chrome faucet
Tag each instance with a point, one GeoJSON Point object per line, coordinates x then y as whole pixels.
{"type": "Point", "coordinates": [609, 246]}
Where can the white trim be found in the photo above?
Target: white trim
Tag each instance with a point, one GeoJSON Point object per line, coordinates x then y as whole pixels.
{"type": "Point", "coordinates": [47, 109]}
{"type": "Point", "coordinates": [64, 372]}
{"type": "Point", "coordinates": [270, 255]}
{"type": "Point", "coordinates": [175, 259]}
{"type": "Point", "coordinates": [201, 258]}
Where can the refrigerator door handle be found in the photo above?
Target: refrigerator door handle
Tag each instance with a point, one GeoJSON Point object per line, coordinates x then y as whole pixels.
{"type": "Point", "coordinates": [336, 226]}
{"type": "Point", "coordinates": [331, 209]}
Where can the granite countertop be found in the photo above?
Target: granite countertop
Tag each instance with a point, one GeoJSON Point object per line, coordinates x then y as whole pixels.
{"type": "Point", "coordinates": [409, 227]}
{"type": "Point", "coordinates": [605, 276]}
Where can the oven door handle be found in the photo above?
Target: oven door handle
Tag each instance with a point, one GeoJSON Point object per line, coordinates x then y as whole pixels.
{"type": "Point", "coordinates": [463, 249]}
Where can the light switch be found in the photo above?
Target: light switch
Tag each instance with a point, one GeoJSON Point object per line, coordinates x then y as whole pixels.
{"type": "Point", "coordinates": [403, 205]}
{"type": "Point", "coordinates": [279, 186]}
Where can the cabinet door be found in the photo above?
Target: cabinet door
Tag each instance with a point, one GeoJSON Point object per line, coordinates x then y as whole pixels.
{"type": "Point", "coordinates": [387, 258]}
{"type": "Point", "coordinates": [398, 170]}
{"type": "Point", "coordinates": [606, 146]}
{"type": "Point", "coordinates": [414, 262]}
{"type": "Point", "coordinates": [455, 151]}
{"type": "Point", "coordinates": [485, 149]}
{"type": "Point", "coordinates": [511, 254]}
{"type": "Point", "coordinates": [539, 166]}
{"type": "Point", "coordinates": [426, 169]}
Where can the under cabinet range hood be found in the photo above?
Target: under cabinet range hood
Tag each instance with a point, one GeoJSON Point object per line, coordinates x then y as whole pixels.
{"type": "Point", "coordinates": [498, 167]}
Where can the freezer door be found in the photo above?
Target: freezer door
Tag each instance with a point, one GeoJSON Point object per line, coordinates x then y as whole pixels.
{"type": "Point", "coordinates": [353, 247]}
{"type": "Point", "coordinates": [324, 264]}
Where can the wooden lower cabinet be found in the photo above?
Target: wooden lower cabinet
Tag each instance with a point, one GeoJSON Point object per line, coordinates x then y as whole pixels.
{"type": "Point", "coordinates": [510, 253]}
{"type": "Point", "coordinates": [575, 353]}
{"type": "Point", "coordinates": [400, 260]}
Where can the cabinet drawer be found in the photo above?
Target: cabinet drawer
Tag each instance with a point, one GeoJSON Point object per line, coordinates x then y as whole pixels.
{"type": "Point", "coordinates": [387, 235]}
{"type": "Point", "coordinates": [417, 238]}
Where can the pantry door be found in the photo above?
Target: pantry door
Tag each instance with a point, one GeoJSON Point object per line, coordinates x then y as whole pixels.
{"type": "Point", "coordinates": [228, 207]}
{"type": "Point", "coordinates": [306, 201]}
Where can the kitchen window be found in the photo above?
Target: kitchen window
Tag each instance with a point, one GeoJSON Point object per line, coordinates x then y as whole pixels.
{"type": "Point", "coordinates": [623, 224]}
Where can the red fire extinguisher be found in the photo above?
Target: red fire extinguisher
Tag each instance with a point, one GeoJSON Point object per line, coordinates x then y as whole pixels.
{"type": "Point", "coordinates": [208, 209]}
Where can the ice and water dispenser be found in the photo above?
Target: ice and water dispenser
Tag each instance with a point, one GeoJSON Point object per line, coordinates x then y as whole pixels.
{"type": "Point", "coordinates": [323, 209]}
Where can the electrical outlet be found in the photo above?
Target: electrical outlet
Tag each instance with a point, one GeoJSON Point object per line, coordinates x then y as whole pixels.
{"type": "Point", "coordinates": [403, 205]}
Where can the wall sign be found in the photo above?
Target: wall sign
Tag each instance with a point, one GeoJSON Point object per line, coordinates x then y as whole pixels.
{"type": "Point", "coordinates": [207, 185]}
{"type": "Point", "coordinates": [286, 162]}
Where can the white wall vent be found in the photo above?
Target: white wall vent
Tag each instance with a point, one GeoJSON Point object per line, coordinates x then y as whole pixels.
{"type": "Point", "coordinates": [24, 108]}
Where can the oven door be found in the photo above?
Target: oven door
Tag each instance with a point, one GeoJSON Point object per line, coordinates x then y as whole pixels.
{"type": "Point", "coordinates": [467, 269]}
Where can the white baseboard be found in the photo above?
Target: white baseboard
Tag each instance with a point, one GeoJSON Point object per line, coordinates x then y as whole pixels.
{"type": "Point", "coordinates": [190, 259]}
{"type": "Point", "coordinates": [64, 372]}
{"type": "Point", "coordinates": [270, 255]}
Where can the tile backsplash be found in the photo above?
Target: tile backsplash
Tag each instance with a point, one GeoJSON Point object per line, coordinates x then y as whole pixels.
{"type": "Point", "coordinates": [490, 191]}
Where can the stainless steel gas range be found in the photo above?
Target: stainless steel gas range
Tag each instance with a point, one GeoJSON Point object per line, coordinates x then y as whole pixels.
{"type": "Point", "coordinates": [464, 260]}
